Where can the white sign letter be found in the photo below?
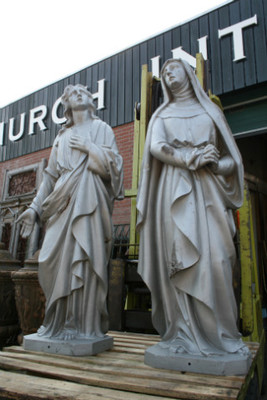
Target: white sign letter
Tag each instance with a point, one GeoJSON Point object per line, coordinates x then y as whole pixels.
{"type": "Point", "coordinates": [56, 119]}
{"type": "Point", "coordinates": [155, 66]}
{"type": "Point", "coordinates": [202, 46]}
{"type": "Point", "coordinates": [180, 53]}
{"type": "Point", "coordinates": [2, 133]}
{"type": "Point", "coordinates": [100, 94]}
{"type": "Point", "coordinates": [236, 30]}
{"type": "Point", "coordinates": [11, 135]}
{"type": "Point", "coordinates": [37, 120]}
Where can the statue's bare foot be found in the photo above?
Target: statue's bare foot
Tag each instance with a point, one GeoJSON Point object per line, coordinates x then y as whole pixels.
{"type": "Point", "coordinates": [177, 349]}
{"type": "Point", "coordinates": [67, 334]}
{"type": "Point", "coordinates": [244, 351]}
{"type": "Point", "coordinates": [41, 331]}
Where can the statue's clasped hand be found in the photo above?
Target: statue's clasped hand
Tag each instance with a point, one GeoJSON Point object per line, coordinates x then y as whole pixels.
{"type": "Point", "coordinates": [210, 156]}
{"type": "Point", "coordinates": [80, 143]}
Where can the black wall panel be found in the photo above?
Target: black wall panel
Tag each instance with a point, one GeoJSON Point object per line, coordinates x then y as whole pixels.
{"type": "Point", "coordinates": [122, 72]}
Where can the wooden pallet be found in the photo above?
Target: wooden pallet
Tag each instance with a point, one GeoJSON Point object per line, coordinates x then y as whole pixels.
{"type": "Point", "coordinates": [117, 374]}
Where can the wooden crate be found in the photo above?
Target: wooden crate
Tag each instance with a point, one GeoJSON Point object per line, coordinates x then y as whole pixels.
{"type": "Point", "coordinates": [118, 374]}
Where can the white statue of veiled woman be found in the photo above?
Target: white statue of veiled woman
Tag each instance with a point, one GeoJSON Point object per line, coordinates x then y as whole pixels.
{"type": "Point", "coordinates": [192, 179]}
{"type": "Point", "coordinates": [83, 178]}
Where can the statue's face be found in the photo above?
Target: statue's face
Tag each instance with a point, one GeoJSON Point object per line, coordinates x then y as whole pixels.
{"type": "Point", "coordinates": [174, 75]}
{"type": "Point", "coordinates": [78, 99]}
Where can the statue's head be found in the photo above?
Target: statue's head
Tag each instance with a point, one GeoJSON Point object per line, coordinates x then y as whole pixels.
{"type": "Point", "coordinates": [176, 78]}
{"type": "Point", "coordinates": [76, 97]}
{"type": "Point", "coordinates": [174, 74]}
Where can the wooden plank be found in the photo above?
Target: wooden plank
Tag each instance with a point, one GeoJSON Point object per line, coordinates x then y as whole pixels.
{"type": "Point", "coordinates": [118, 373]}
{"type": "Point", "coordinates": [146, 93]}
{"type": "Point", "coordinates": [126, 349]}
{"type": "Point", "coordinates": [127, 368]}
{"type": "Point", "coordinates": [157, 387]}
{"type": "Point", "coordinates": [132, 345]}
{"type": "Point", "coordinates": [14, 384]}
{"type": "Point", "coordinates": [146, 342]}
{"type": "Point", "coordinates": [105, 357]}
{"type": "Point", "coordinates": [247, 259]}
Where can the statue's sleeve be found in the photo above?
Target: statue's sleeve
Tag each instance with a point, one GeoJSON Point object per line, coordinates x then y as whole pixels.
{"type": "Point", "coordinates": [226, 163]}
{"type": "Point", "coordinates": [50, 176]}
{"type": "Point", "coordinates": [105, 160]}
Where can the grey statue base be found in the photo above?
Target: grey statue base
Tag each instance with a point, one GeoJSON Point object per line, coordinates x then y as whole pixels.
{"type": "Point", "coordinates": [231, 364]}
{"type": "Point", "coordinates": [74, 347]}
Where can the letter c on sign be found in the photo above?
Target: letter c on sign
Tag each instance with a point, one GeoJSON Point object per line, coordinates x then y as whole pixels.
{"type": "Point", "coordinates": [56, 119]}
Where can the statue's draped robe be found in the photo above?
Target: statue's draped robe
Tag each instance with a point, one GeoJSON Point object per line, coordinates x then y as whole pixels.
{"type": "Point", "coordinates": [76, 199]}
{"type": "Point", "coordinates": [186, 231]}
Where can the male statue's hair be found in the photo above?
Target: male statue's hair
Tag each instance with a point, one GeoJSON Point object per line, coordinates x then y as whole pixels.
{"type": "Point", "coordinates": [67, 110]}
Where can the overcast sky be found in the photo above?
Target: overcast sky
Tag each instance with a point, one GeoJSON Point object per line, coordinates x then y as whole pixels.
{"type": "Point", "coordinates": [43, 41]}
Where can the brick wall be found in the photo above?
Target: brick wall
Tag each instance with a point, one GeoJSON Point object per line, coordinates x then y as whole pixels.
{"type": "Point", "coordinates": [124, 137]}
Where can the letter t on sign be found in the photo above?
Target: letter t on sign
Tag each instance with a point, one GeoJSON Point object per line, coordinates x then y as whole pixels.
{"type": "Point", "coordinates": [236, 30]}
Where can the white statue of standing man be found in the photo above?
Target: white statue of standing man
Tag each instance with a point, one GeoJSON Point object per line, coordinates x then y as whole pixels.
{"type": "Point", "coordinates": [83, 178]}
{"type": "Point", "coordinates": [192, 179]}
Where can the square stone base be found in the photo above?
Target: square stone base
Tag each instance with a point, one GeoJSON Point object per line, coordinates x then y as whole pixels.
{"type": "Point", "coordinates": [75, 347]}
{"type": "Point", "coordinates": [230, 364]}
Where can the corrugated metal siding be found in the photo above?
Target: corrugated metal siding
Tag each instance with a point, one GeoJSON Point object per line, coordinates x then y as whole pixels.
{"type": "Point", "coordinates": [122, 72]}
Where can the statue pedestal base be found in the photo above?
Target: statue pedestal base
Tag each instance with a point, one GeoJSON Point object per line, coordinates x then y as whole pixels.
{"type": "Point", "coordinates": [75, 347]}
{"type": "Point", "coordinates": [230, 364]}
